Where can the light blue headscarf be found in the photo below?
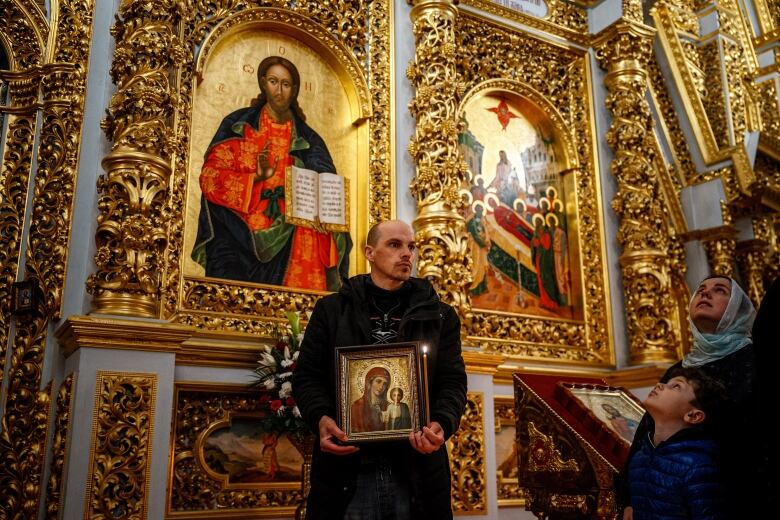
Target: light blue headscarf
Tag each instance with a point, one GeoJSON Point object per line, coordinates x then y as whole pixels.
{"type": "Point", "coordinates": [731, 334]}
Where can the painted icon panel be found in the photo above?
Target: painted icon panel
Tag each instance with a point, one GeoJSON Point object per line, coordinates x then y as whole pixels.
{"type": "Point", "coordinates": [518, 216]}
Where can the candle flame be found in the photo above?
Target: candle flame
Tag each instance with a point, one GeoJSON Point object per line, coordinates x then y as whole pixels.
{"type": "Point", "coordinates": [425, 349]}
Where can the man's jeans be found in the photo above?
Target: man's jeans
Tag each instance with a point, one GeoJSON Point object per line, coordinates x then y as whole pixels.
{"type": "Point", "coordinates": [382, 492]}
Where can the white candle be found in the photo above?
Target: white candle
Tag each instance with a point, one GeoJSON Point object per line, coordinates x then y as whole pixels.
{"type": "Point", "coordinates": [425, 382]}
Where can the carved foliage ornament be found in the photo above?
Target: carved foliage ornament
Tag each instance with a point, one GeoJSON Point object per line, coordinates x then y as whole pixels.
{"type": "Point", "coordinates": [26, 49]}
{"type": "Point", "coordinates": [467, 459]}
{"type": "Point", "coordinates": [55, 491]}
{"type": "Point", "coordinates": [121, 447]}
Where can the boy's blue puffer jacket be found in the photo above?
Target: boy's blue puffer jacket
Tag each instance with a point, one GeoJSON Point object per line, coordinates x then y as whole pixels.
{"type": "Point", "coordinates": [679, 478]}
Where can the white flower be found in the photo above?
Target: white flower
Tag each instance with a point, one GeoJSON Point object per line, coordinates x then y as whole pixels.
{"type": "Point", "coordinates": [296, 412]}
{"type": "Point", "coordinates": [286, 390]}
{"type": "Point", "coordinates": [295, 355]}
{"type": "Point", "coordinates": [281, 410]}
{"type": "Point", "coordinates": [285, 374]}
{"type": "Point", "coordinates": [270, 383]}
{"type": "Point", "coordinates": [286, 352]}
{"type": "Point", "coordinates": [286, 363]}
{"type": "Point", "coordinates": [266, 359]}
{"type": "Point", "coordinates": [300, 338]}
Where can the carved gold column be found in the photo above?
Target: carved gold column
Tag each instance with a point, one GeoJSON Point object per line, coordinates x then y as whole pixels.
{"type": "Point", "coordinates": [14, 181]}
{"type": "Point", "coordinates": [652, 318]}
{"type": "Point", "coordinates": [131, 234]}
{"type": "Point", "coordinates": [632, 10]}
{"type": "Point", "coordinates": [441, 172]}
{"type": "Point", "coordinates": [720, 245]}
{"type": "Point", "coordinates": [751, 259]}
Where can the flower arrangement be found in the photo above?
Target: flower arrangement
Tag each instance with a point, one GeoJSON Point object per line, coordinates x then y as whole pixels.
{"type": "Point", "coordinates": [274, 374]}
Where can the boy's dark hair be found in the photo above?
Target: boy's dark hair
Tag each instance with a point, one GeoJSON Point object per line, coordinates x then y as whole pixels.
{"type": "Point", "coordinates": [710, 394]}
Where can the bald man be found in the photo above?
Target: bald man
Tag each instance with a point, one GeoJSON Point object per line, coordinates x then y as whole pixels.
{"type": "Point", "coordinates": [388, 480]}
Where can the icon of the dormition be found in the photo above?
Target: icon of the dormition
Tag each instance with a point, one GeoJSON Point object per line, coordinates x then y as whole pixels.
{"type": "Point", "coordinates": [516, 215]}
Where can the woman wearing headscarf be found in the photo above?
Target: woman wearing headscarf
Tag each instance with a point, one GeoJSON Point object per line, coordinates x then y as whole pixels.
{"type": "Point", "coordinates": [720, 316]}
{"type": "Point", "coordinates": [367, 411]}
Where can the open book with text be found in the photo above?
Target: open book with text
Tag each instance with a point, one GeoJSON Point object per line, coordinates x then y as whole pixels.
{"type": "Point", "coordinates": [312, 197]}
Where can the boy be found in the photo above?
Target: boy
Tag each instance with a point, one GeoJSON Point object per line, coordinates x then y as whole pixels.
{"type": "Point", "coordinates": [675, 473]}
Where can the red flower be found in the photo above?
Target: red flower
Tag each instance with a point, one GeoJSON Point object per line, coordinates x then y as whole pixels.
{"type": "Point", "coordinates": [290, 402]}
{"type": "Point", "coordinates": [280, 345]}
{"type": "Point", "coordinates": [264, 398]}
{"type": "Point", "coordinates": [275, 405]}
{"type": "Point", "coordinates": [292, 367]}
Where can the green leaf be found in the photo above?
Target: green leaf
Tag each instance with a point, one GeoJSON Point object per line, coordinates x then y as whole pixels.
{"type": "Point", "coordinates": [295, 322]}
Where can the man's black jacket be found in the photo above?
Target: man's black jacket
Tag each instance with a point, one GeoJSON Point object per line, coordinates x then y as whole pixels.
{"type": "Point", "coordinates": [342, 319]}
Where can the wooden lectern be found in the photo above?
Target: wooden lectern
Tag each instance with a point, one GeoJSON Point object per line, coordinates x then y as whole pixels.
{"type": "Point", "coordinates": [573, 437]}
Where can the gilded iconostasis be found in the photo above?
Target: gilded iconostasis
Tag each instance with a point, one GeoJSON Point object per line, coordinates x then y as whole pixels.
{"type": "Point", "coordinates": [570, 168]}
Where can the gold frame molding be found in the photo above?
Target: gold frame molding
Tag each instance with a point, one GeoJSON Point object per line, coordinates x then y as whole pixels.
{"type": "Point", "coordinates": [563, 19]}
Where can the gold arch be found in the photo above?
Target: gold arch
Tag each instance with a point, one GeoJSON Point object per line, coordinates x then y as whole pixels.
{"type": "Point", "coordinates": [307, 31]}
{"type": "Point", "coordinates": [36, 19]}
{"type": "Point", "coordinates": [515, 89]}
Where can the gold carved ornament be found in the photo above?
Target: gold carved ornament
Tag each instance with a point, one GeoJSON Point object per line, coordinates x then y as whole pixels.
{"type": "Point", "coordinates": [544, 456]}
{"type": "Point", "coordinates": [713, 73]}
{"type": "Point", "coordinates": [492, 57]}
{"type": "Point", "coordinates": [441, 171]}
{"type": "Point", "coordinates": [653, 318]}
{"type": "Point", "coordinates": [671, 121]}
{"type": "Point", "coordinates": [59, 80]}
{"type": "Point", "coordinates": [26, 46]}
{"type": "Point", "coordinates": [752, 257]}
{"type": "Point", "coordinates": [131, 233]}
{"type": "Point", "coordinates": [768, 15]}
{"type": "Point", "coordinates": [55, 490]}
{"type": "Point", "coordinates": [121, 447]}
{"type": "Point", "coordinates": [555, 459]}
{"type": "Point", "coordinates": [770, 115]}
{"type": "Point", "coordinates": [563, 19]}
{"type": "Point", "coordinates": [467, 459]}
{"type": "Point", "coordinates": [720, 248]}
